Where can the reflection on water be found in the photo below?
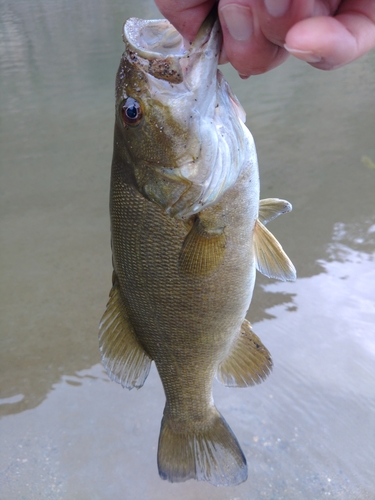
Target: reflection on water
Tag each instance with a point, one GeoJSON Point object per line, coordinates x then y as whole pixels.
{"type": "Point", "coordinates": [67, 432]}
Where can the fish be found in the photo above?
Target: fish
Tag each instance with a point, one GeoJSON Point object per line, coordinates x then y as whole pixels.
{"type": "Point", "coordinates": [187, 234]}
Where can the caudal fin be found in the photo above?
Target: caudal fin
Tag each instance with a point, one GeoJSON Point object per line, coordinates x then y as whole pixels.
{"type": "Point", "coordinates": [205, 453]}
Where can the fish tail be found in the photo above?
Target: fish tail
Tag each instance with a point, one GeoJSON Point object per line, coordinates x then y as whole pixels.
{"type": "Point", "coordinates": [208, 452]}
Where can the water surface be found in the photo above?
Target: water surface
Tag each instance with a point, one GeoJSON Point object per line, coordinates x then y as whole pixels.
{"type": "Point", "coordinates": [66, 431]}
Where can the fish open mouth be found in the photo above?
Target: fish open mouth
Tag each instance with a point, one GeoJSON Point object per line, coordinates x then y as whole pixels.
{"type": "Point", "coordinates": [167, 56]}
{"type": "Point", "coordinates": [155, 39]}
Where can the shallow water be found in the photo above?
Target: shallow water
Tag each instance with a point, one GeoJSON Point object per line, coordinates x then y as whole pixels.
{"type": "Point", "coordinates": [66, 431]}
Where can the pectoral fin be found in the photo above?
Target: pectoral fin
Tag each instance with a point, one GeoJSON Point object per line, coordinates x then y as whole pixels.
{"type": "Point", "coordinates": [248, 363]}
{"type": "Point", "coordinates": [123, 357]}
{"type": "Point", "coordinates": [270, 258]}
{"type": "Point", "coordinates": [270, 208]}
{"type": "Point", "coordinates": [202, 251]}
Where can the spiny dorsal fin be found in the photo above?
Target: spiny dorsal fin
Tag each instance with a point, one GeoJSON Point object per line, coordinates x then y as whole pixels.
{"type": "Point", "coordinates": [248, 362]}
{"type": "Point", "coordinates": [270, 258]}
{"type": "Point", "coordinates": [123, 357]}
{"type": "Point", "coordinates": [202, 450]}
{"type": "Point", "coordinates": [202, 251]}
{"type": "Point", "coordinates": [270, 208]}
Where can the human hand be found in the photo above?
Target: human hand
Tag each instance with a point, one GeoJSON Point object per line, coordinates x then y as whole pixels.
{"type": "Point", "coordinates": [258, 35]}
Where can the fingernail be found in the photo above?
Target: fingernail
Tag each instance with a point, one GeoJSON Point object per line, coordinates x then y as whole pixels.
{"type": "Point", "coordinates": [304, 55]}
{"type": "Point", "coordinates": [277, 8]}
{"type": "Point", "coordinates": [244, 77]}
{"type": "Point", "coordinates": [238, 20]}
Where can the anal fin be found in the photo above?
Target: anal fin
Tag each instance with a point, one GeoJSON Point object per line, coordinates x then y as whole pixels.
{"type": "Point", "coordinates": [123, 357]}
{"type": "Point", "coordinates": [248, 362]}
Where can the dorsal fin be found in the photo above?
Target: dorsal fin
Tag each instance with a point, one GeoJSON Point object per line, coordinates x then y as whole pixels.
{"type": "Point", "coordinates": [270, 208]}
{"type": "Point", "coordinates": [270, 258]}
{"type": "Point", "coordinates": [248, 362]}
{"type": "Point", "coordinates": [123, 357]}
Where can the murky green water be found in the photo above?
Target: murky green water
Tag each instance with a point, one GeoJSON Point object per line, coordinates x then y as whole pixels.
{"type": "Point", "coordinates": [66, 432]}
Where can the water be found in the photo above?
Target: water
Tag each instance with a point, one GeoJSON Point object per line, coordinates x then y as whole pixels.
{"type": "Point", "coordinates": [66, 431]}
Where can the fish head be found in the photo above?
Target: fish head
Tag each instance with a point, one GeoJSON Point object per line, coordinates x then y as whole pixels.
{"type": "Point", "coordinates": [178, 125]}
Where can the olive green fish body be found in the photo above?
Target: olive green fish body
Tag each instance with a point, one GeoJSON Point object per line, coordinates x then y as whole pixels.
{"type": "Point", "coordinates": [187, 237]}
{"type": "Point", "coordinates": [185, 322]}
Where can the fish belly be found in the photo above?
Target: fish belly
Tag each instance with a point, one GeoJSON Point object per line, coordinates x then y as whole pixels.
{"type": "Point", "coordinates": [185, 323]}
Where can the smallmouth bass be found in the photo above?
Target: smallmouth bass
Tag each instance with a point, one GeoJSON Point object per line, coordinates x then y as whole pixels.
{"type": "Point", "coordinates": [188, 234]}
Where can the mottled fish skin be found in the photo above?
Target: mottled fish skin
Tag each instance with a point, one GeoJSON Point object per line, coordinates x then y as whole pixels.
{"type": "Point", "coordinates": [183, 278]}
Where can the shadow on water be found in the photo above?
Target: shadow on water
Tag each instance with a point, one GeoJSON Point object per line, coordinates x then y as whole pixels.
{"type": "Point", "coordinates": [315, 135]}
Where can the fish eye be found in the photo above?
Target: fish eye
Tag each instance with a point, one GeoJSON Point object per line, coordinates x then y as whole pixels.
{"type": "Point", "coordinates": [131, 111]}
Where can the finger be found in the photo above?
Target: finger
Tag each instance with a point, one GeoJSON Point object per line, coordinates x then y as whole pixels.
{"type": "Point", "coordinates": [278, 16]}
{"type": "Point", "coordinates": [246, 46]}
{"type": "Point", "coordinates": [255, 30]}
{"type": "Point", "coordinates": [329, 43]}
{"type": "Point", "coordinates": [185, 15]}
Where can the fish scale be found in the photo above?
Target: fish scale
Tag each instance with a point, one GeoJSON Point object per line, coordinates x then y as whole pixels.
{"type": "Point", "coordinates": [185, 258]}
